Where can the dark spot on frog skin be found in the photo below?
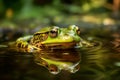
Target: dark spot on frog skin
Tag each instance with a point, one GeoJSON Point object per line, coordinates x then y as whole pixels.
{"type": "Point", "coordinates": [19, 45]}
{"type": "Point", "coordinates": [22, 45]}
{"type": "Point", "coordinates": [26, 46]}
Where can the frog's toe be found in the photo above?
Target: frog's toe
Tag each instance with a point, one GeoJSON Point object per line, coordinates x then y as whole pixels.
{"type": "Point", "coordinates": [33, 49]}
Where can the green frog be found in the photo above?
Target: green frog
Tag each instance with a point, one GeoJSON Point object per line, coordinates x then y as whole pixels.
{"type": "Point", "coordinates": [51, 38]}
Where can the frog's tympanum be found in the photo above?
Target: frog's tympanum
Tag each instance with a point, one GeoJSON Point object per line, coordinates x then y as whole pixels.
{"type": "Point", "coordinates": [50, 38]}
{"type": "Point", "coordinates": [57, 60]}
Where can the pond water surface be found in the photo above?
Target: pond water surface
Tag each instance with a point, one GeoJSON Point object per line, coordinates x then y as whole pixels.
{"type": "Point", "coordinates": [101, 62]}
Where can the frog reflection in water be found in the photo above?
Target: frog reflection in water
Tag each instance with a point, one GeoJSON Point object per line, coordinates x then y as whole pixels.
{"type": "Point", "coordinates": [57, 60]}
{"type": "Point", "coordinates": [54, 38]}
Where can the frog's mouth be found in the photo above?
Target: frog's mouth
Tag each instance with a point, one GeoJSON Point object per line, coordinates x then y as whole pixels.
{"type": "Point", "coordinates": [63, 45]}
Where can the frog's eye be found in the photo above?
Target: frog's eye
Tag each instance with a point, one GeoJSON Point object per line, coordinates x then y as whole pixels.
{"type": "Point", "coordinates": [78, 31]}
{"type": "Point", "coordinates": [53, 33]}
{"type": "Point", "coordinates": [75, 28]}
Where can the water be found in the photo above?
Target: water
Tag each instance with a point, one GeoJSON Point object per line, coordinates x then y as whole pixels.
{"type": "Point", "coordinates": [101, 62]}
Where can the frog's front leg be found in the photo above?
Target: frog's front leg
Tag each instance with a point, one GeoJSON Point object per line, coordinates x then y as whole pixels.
{"type": "Point", "coordinates": [23, 45]}
{"type": "Point", "coordinates": [85, 43]}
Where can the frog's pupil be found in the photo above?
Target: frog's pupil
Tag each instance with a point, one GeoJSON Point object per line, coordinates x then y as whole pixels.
{"type": "Point", "coordinates": [53, 33]}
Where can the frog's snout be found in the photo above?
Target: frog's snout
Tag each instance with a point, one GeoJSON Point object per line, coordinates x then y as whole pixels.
{"type": "Point", "coordinates": [67, 38]}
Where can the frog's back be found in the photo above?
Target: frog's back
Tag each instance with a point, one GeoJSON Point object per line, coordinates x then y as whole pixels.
{"type": "Point", "coordinates": [40, 36]}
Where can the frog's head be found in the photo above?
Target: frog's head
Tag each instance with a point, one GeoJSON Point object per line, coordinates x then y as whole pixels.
{"type": "Point", "coordinates": [56, 37]}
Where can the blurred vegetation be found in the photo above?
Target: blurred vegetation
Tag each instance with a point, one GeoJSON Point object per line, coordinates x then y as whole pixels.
{"type": "Point", "coordinates": [32, 13]}
{"type": "Point", "coordinates": [22, 9]}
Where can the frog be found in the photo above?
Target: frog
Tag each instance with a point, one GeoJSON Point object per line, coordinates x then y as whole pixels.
{"type": "Point", "coordinates": [51, 38]}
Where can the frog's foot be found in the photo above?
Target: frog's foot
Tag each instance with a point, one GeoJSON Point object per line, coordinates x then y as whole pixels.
{"type": "Point", "coordinates": [23, 46]}
{"type": "Point", "coordinates": [85, 44]}
{"type": "Point", "coordinates": [89, 44]}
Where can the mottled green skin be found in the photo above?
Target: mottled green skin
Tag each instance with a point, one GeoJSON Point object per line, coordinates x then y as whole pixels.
{"type": "Point", "coordinates": [50, 38]}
